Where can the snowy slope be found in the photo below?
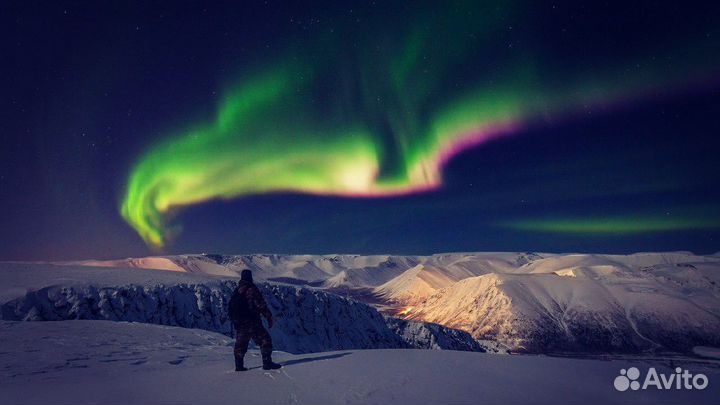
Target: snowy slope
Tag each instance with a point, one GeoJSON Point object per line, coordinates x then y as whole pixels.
{"type": "Point", "coordinates": [17, 278]}
{"type": "Point", "coordinates": [336, 270]}
{"type": "Point", "coordinates": [568, 303]}
{"type": "Point", "coordinates": [628, 262]}
{"type": "Point", "coordinates": [78, 362]}
{"type": "Point", "coordinates": [414, 285]}
{"type": "Point", "coordinates": [333, 270]}
{"type": "Point", "coordinates": [442, 270]}
{"type": "Point", "coordinates": [594, 309]}
{"type": "Point", "coordinates": [181, 263]}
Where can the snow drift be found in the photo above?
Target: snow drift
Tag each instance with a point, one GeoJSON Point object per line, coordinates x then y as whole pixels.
{"type": "Point", "coordinates": [100, 362]}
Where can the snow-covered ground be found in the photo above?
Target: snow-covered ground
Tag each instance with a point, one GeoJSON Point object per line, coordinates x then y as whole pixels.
{"type": "Point", "coordinates": [101, 362]}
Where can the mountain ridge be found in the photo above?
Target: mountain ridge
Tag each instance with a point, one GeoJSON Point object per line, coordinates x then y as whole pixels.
{"type": "Point", "coordinates": [529, 302]}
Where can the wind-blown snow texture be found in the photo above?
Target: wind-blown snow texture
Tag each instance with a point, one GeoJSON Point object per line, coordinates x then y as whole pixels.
{"type": "Point", "coordinates": [306, 320]}
{"type": "Point", "coordinates": [100, 362]}
{"type": "Point", "coordinates": [530, 302]}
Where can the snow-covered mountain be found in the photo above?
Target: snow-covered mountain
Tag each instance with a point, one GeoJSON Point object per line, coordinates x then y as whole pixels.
{"type": "Point", "coordinates": [587, 303]}
{"type": "Point", "coordinates": [307, 320]}
{"type": "Point", "coordinates": [535, 302]}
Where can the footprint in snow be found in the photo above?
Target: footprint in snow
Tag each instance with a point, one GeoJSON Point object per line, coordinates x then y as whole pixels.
{"type": "Point", "coordinates": [177, 361]}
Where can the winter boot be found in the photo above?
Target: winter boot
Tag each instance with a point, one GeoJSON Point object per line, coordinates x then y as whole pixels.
{"type": "Point", "coordinates": [239, 366]}
{"type": "Point", "coordinates": [268, 363]}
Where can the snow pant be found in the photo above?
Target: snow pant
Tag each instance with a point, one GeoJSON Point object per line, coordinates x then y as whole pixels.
{"type": "Point", "coordinates": [252, 330]}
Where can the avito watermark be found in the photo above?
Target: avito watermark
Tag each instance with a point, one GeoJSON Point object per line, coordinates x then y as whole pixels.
{"type": "Point", "coordinates": [679, 380]}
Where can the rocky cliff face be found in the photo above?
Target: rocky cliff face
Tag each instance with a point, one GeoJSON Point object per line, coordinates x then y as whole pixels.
{"type": "Point", "coordinates": [307, 320]}
{"type": "Point", "coordinates": [424, 335]}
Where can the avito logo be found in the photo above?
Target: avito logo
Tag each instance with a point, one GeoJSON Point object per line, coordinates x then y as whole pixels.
{"type": "Point", "coordinates": [679, 380]}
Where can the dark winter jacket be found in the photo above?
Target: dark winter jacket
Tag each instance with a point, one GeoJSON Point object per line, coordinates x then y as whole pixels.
{"type": "Point", "coordinates": [247, 304]}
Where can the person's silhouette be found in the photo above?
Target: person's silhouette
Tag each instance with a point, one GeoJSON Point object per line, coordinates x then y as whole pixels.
{"type": "Point", "coordinates": [246, 307]}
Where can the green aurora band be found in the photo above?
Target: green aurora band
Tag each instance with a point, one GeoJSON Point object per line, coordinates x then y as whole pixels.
{"type": "Point", "coordinates": [364, 122]}
{"type": "Point", "coordinates": [612, 225]}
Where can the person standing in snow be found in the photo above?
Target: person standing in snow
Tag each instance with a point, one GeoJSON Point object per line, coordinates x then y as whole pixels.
{"type": "Point", "coordinates": [246, 307]}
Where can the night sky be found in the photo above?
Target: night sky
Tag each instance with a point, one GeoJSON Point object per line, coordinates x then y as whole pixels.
{"type": "Point", "coordinates": [368, 127]}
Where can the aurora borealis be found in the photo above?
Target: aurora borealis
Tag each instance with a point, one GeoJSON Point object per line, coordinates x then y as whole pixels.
{"type": "Point", "coordinates": [613, 225]}
{"type": "Point", "coordinates": [246, 151]}
{"type": "Point", "coordinates": [471, 126]}
{"type": "Point", "coordinates": [268, 137]}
